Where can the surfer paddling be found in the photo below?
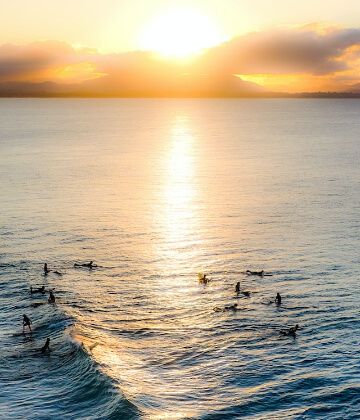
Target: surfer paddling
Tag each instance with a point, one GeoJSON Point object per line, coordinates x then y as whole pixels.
{"type": "Point", "coordinates": [90, 265]}
{"type": "Point", "coordinates": [257, 273]}
{"type": "Point", "coordinates": [233, 308]}
{"type": "Point", "coordinates": [290, 331]}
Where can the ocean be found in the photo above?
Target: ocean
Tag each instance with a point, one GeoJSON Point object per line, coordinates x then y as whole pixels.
{"type": "Point", "coordinates": [154, 192]}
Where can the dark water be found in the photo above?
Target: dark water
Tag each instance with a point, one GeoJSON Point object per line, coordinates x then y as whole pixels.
{"type": "Point", "coordinates": [154, 192]}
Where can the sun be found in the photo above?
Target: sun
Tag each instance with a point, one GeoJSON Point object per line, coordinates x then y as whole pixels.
{"type": "Point", "coordinates": [180, 33]}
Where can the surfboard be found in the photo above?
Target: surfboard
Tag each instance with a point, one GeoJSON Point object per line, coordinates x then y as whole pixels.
{"type": "Point", "coordinates": [37, 303]}
{"type": "Point", "coordinates": [19, 333]}
{"type": "Point", "coordinates": [93, 345]}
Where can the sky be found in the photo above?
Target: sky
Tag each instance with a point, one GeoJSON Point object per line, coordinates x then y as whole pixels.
{"type": "Point", "coordinates": [282, 45]}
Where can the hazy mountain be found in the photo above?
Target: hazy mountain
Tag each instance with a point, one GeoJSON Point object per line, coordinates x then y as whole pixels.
{"type": "Point", "coordinates": [354, 88]}
{"type": "Point", "coordinates": [128, 85]}
{"type": "Point", "coordinates": [27, 89]}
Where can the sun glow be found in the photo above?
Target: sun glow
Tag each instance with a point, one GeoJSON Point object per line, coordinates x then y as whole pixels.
{"type": "Point", "coordinates": [180, 33]}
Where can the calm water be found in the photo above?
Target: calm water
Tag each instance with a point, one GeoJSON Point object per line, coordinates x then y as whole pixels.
{"type": "Point", "coordinates": [154, 192]}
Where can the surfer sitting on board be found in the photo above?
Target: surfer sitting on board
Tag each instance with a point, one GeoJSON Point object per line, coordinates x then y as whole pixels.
{"type": "Point", "coordinates": [237, 290]}
{"type": "Point", "coordinates": [203, 278]}
{"type": "Point", "coordinates": [46, 270]}
{"type": "Point", "coordinates": [278, 299]}
{"type": "Point", "coordinates": [46, 346]}
{"type": "Point", "coordinates": [26, 322]}
{"type": "Point", "coordinates": [51, 297]}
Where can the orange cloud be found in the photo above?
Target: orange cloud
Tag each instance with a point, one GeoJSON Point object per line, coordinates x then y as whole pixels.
{"type": "Point", "coordinates": [74, 73]}
{"type": "Point", "coordinates": [42, 61]}
{"type": "Point", "coordinates": [307, 58]}
{"type": "Point", "coordinates": [312, 57]}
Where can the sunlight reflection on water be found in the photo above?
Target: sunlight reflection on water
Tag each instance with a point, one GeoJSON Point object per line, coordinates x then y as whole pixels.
{"type": "Point", "coordinates": [157, 191]}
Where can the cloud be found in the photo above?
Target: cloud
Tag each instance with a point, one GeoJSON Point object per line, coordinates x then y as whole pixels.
{"type": "Point", "coordinates": [285, 51]}
{"type": "Point", "coordinates": [36, 61]}
{"type": "Point", "coordinates": [314, 53]}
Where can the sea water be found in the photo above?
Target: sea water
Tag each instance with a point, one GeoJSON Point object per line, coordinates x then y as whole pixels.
{"type": "Point", "coordinates": [155, 191]}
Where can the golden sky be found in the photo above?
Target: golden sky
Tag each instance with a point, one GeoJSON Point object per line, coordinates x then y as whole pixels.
{"type": "Point", "coordinates": [164, 45]}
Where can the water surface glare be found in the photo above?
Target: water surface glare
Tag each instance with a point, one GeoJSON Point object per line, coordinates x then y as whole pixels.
{"type": "Point", "coordinates": [155, 191]}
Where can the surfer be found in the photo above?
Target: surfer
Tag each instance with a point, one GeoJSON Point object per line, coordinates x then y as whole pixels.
{"type": "Point", "coordinates": [38, 290]}
{"type": "Point", "coordinates": [255, 273]}
{"type": "Point", "coordinates": [237, 290]}
{"type": "Point", "coordinates": [51, 297]}
{"type": "Point", "coordinates": [227, 308]}
{"type": "Point", "coordinates": [278, 299]}
{"type": "Point", "coordinates": [231, 307]}
{"type": "Point", "coordinates": [46, 270]}
{"type": "Point", "coordinates": [90, 265]}
{"type": "Point", "coordinates": [203, 278]}
{"type": "Point", "coordinates": [290, 331]}
{"type": "Point", "coordinates": [46, 346]}
{"type": "Point", "coordinates": [26, 322]}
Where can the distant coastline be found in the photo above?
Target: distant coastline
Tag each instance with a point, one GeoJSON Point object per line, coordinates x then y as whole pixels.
{"type": "Point", "coordinates": [233, 88]}
{"type": "Point", "coordinates": [268, 95]}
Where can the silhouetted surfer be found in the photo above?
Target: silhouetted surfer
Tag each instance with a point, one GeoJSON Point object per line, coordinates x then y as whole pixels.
{"type": "Point", "coordinates": [90, 265]}
{"type": "Point", "coordinates": [231, 307]}
{"type": "Point", "coordinates": [290, 331]}
{"type": "Point", "coordinates": [46, 270]}
{"type": "Point", "coordinates": [255, 273]}
{"type": "Point", "coordinates": [51, 297]}
{"type": "Point", "coordinates": [203, 278]}
{"type": "Point", "coordinates": [46, 346]}
{"type": "Point", "coordinates": [278, 299]}
{"type": "Point", "coordinates": [227, 308]}
{"type": "Point", "coordinates": [39, 290]}
{"type": "Point", "coordinates": [26, 322]}
{"type": "Point", "coordinates": [237, 290]}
